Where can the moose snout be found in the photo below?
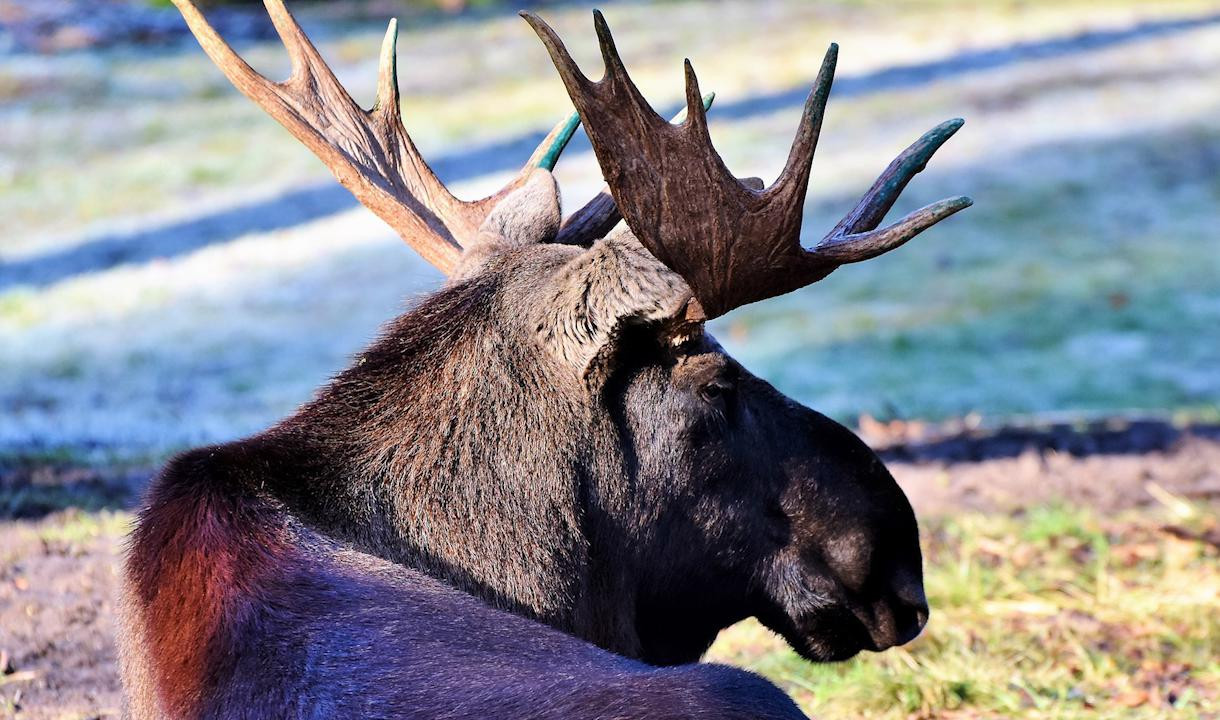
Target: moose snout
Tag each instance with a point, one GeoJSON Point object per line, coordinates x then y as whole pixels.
{"type": "Point", "coordinates": [899, 617]}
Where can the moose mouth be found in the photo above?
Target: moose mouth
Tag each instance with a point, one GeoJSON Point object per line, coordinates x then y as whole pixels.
{"type": "Point", "coordinates": [833, 635]}
{"type": "Point", "coordinates": [837, 633]}
{"type": "Point", "coordinates": [828, 634]}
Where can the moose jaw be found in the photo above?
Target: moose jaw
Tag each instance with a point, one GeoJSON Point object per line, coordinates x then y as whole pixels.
{"type": "Point", "coordinates": [548, 452]}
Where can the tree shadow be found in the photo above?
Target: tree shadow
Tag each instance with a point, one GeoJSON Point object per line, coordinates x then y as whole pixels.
{"type": "Point", "coordinates": [32, 488]}
{"type": "Point", "coordinates": [1102, 437]}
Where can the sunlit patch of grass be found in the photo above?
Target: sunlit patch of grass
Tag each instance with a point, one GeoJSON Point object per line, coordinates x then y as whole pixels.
{"type": "Point", "coordinates": [19, 308]}
{"type": "Point", "coordinates": [1053, 613]}
{"type": "Point", "coordinates": [75, 527]}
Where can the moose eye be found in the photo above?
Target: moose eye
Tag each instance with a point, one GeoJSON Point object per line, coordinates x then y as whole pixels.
{"type": "Point", "coordinates": [716, 394]}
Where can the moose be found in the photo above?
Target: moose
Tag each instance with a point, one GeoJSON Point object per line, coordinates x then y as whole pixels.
{"type": "Point", "coordinates": [546, 488]}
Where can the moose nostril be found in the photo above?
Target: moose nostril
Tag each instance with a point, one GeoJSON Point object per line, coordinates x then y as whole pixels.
{"type": "Point", "coordinates": [909, 606]}
{"type": "Point", "coordinates": [909, 592]}
{"type": "Point", "coordinates": [909, 620]}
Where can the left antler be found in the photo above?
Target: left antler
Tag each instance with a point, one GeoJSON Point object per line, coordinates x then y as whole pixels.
{"type": "Point", "coordinates": [732, 242]}
{"type": "Point", "coordinates": [370, 151]}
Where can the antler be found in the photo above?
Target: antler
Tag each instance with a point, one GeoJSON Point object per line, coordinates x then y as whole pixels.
{"type": "Point", "coordinates": [599, 216]}
{"type": "Point", "coordinates": [369, 152]}
{"type": "Point", "coordinates": [732, 241]}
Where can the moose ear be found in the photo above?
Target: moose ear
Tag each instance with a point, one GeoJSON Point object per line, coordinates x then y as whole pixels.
{"type": "Point", "coordinates": [614, 284]}
{"type": "Point", "coordinates": [530, 214]}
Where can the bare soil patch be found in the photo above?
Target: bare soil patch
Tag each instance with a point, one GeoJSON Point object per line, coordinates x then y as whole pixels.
{"type": "Point", "coordinates": [57, 580]}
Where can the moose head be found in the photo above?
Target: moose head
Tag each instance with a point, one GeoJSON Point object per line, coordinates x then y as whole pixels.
{"type": "Point", "coordinates": [555, 430]}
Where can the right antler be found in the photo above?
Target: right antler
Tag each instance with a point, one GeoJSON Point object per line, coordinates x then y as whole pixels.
{"type": "Point", "coordinates": [732, 242]}
{"type": "Point", "coordinates": [369, 152]}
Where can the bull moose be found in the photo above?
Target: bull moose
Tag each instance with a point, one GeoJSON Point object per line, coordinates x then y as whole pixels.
{"type": "Point", "coordinates": [545, 489]}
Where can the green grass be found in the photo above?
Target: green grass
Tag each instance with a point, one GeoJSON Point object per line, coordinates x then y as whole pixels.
{"type": "Point", "coordinates": [75, 527]}
{"type": "Point", "coordinates": [1056, 613]}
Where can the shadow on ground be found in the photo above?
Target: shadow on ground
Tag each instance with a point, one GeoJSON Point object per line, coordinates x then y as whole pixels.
{"type": "Point", "coordinates": [31, 489]}
{"type": "Point", "coordinates": [958, 445]}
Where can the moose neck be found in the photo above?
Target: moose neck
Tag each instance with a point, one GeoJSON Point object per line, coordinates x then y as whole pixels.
{"type": "Point", "coordinates": [452, 447]}
{"type": "Point", "coordinates": [448, 447]}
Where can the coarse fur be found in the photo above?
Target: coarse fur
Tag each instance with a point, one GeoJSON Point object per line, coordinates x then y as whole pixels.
{"type": "Point", "coordinates": [253, 615]}
{"type": "Point", "coordinates": [547, 435]}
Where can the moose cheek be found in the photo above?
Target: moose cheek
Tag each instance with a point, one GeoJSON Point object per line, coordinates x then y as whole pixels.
{"type": "Point", "coordinates": [849, 557]}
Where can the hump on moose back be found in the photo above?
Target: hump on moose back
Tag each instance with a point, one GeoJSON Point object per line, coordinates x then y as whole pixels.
{"type": "Point", "coordinates": [546, 488]}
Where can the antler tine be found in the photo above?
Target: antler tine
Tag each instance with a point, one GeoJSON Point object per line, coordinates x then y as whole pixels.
{"type": "Point", "coordinates": [386, 103]}
{"type": "Point", "coordinates": [857, 247]}
{"type": "Point", "coordinates": [605, 41]}
{"type": "Point", "coordinates": [733, 242]}
{"type": "Point", "coordinates": [547, 153]}
{"type": "Point", "coordinates": [237, 70]}
{"type": "Point", "coordinates": [569, 72]}
{"type": "Point", "coordinates": [577, 84]}
{"type": "Point", "coordinates": [696, 114]}
{"type": "Point", "coordinates": [855, 238]}
{"type": "Point", "coordinates": [370, 152]}
{"type": "Point", "coordinates": [292, 36]}
{"type": "Point", "coordinates": [793, 180]}
{"type": "Point", "coordinates": [869, 212]}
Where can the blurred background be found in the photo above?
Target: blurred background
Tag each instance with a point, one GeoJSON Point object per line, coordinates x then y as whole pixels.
{"type": "Point", "coordinates": [1041, 370]}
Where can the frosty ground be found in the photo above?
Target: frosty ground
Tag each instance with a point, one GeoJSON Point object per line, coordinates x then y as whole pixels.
{"type": "Point", "coordinates": [175, 269]}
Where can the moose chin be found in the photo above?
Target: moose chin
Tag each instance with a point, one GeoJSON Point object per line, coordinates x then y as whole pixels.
{"type": "Point", "coordinates": [546, 488]}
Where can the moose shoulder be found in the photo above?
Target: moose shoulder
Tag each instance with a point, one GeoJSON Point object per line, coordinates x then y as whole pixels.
{"type": "Point", "coordinates": [553, 433]}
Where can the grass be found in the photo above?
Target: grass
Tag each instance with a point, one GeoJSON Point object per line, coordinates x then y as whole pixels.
{"type": "Point", "coordinates": [1054, 613]}
{"type": "Point", "coordinates": [74, 526]}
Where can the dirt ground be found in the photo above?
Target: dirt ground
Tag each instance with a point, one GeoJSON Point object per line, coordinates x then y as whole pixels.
{"type": "Point", "coordinates": [58, 563]}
